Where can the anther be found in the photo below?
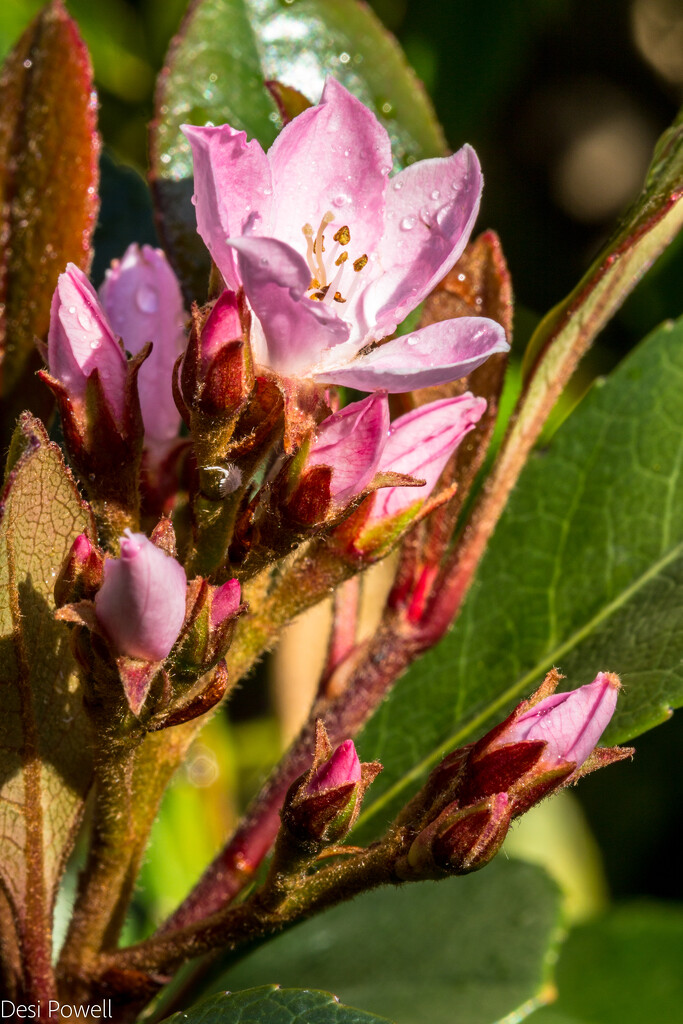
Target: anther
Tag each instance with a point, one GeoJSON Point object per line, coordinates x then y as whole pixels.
{"type": "Point", "coordinates": [338, 298]}
{"type": "Point", "coordinates": [343, 236]}
{"type": "Point", "coordinates": [342, 259]}
{"type": "Point", "coordinates": [360, 262]}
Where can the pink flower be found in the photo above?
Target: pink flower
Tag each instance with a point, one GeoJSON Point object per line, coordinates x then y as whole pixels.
{"type": "Point", "coordinates": [81, 341]}
{"type": "Point", "coordinates": [332, 254]}
{"type": "Point", "coordinates": [141, 604]}
{"type": "Point", "coordinates": [570, 724]}
{"type": "Point", "coordinates": [225, 603]}
{"type": "Point", "coordinates": [420, 443]}
{"type": "Point", "coordinates": [141, 297]}
{"type": "Point", "coordinates": [350, 442]}
{"type": "Point", "coordinates": [342, 768]}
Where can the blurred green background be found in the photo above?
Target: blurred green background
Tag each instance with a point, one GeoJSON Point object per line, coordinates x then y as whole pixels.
{"type": "Point", "coordinates": [563, 100]}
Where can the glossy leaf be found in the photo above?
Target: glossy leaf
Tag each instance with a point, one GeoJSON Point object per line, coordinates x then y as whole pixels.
{"type": "Point", "coordinates": [272, 1005]}
{"type": "Point", "coordinates": [43, 729]}
{"type": "Point", "coordinates": [48, 190]}
{"type": "Point", "coordinates": [585, 571]}
{"type": "Point", "coordinates": [216, 71]}
{"type": "Point", "coordinates": [624, 968]}
{"type": "Point", "coordinates": [465, 949]}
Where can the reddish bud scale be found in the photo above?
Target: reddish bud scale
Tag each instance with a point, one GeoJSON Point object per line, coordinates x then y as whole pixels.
{"type": "Point", "coordinates": [81, 574]}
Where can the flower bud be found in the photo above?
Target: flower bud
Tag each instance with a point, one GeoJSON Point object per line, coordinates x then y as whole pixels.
{"type": "Point", "coordinates": [216, 375]}
{"type": "Point", "coordinates": [460, 840]}
{"type": "Point", "coordinates": [142, 299]}
{"type": "Point", "coordinates": [81, 574]}
{"type": "Point", "coordinates": [141, 604]}
{"type": "Point", "coordinates": [323, 804]}
{"type": "Point", "coordinates": [80, 341]}
{"type": "Point", "coordinates": [209, 626]}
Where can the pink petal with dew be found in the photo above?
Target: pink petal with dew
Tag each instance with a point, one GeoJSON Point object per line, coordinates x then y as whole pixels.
{"type": "Point", "coordinates": [437, 354]}
{"type": "Point", "coordinates": [420, 444]}
{"type": "Point", "coordinates": [81, 340]}
{"type": "Point", "coordinates": [296, 329]}
{"type": "Point", "coordinates": [142, 299]}
{"type": "Point", "coordinates": [232, 183]}
{"type": "Point", "coordinates": [431, 208]}
{"type": "Point", "coordinates": [351, 442]}
{"type": "Point", "coordinates": [335, 156]}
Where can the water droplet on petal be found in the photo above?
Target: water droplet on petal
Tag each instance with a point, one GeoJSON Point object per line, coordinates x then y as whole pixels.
{"type": "Point", "coordinates": [194, 200]}
{"type": "Point", "coordinates": [398, 185]}
{"type": "Point", "coordinates": [147, 299]}
{"type": "Point", "coordinates": [95, 344]}
{"type": "Point", "coordinates": [341, 200]}
{"type": "Point", "coordinates": [72, 310]}
{"type": "Point", "coordinates": [436, 194]}
{"type": "Point", "coordinates": [85, 320]}
{"type": "Point", "coordinates": [408, 223]}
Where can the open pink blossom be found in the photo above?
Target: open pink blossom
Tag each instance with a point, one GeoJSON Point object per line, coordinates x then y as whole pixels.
{"type": "Point", "coordinates": [81, 340]}
{"type": "Point", "coordinates": [141, 297]}
{"type": "Point", "coordinates": [350, 442]}
{"type": "Point", "coordinates": [420, 443]}
{"type": "Point", "coordinates": [569, 723]}
{"type": "Point", "coordinates": [141, 604]}
{"type": "Point", "coordinates": [333, 254]}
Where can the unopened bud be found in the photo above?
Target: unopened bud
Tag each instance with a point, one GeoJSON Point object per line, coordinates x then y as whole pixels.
{"type": "Point", "coordinates": [81, 574]}
{"type": "Point", "coordinates": [323, 804]}
{"type": "Point", "coordinates": [460, 840]}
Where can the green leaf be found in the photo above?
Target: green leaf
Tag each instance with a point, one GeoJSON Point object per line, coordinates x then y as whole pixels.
{"type": "Point", "coordinates": [272, 1005]}
{"type": "Point", "coordinates": [216, 69]}
{"type": "Point", "coordinates": [48, 191]}
{"type": "Point", "coordinates": [43, 728]}
{"type": "Point", "coordinates": [465, 949]}
{"type": "Point", "coordinates": [622, 969]}
{"type": "Point", "coordinates": [585, 571]}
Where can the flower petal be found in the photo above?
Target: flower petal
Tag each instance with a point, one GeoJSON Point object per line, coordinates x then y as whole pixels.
{"type": "Point", "coordinates": [436, 354]}
{"type": "Point", "coordinates": [295, 328]}
{"type": "Point", "coordinates": [232, 183]}
{"type": "Point", "coordinates": [351, 442]}
{"type": "Point", "coordinates": [142, 299]}
{"type": "Point", "coordinates": [420, 444]}
{"type": "Point", "coordinates": [431, 208]}
{"type": "Point", "coordinates": [335, 156]}
{"type": "Point", "coordinates": [81, 340]}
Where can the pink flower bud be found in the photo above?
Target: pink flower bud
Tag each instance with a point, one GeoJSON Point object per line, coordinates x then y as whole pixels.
{"type": "Point", "coordinates": [225, 603]}
{"type": "Point", "coordinates": [350, 442]}
{"type": "Point", "coordinates": [141, 604]}
{"type": "Point", "coordinates": [81, 574]}
{"type": "Point", "coordinates": [342, 768]}
{"type": "Point", "coordinates": [420, 444]}
{"type": "Point", "coordinates": [570, 724]}
{"type": "Point", "coordinates": [222, 326]}
{"type": "Point", "coordinates": [81, 340]}
{"type": "Point", "coordinates": [142, 299]}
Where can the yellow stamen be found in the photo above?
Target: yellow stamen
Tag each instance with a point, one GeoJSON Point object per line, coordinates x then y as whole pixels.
{"type": "Point", "coordinates": [342, 259]}
{"type": "Point", "coordinates": [343, 236]}
{"type": "Point", "coordinates": [338, 298]}
{"type": "Point", "coordinates": [319, 246]}
{"type": "Point", "coordinates": [360, 262]}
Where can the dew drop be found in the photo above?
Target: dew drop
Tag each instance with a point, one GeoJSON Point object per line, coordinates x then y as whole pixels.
{"type": "Point", "coordinates": [341, 200]}
{"type": "Point", "coordinates": [28, 63]}
{"type": "Point", "coordinates": [194, 200]}
{"type": "Point", "coordinates": [408, 223]}
{"type": "Point", "coordinates": [436, 194]}
{"type": "Point", "coordinates": [398, 185]}
{"type": "Point", "coordinates": [95, 344]}
{"type": "Point", "coordinates": [147, 299]}
{"type": "Point", "coordinates": [85, 320]}
{"type": "Point", "coordinates": [72, 310]}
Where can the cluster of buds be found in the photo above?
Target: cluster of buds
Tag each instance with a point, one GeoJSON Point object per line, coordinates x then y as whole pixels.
{"type": "Point", "coordinates": [141, 625]}
{"type": "Point", "coordinates": [463, 814]}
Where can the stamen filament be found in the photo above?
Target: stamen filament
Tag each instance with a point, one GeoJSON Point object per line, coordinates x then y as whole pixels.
{"type": "Point", "coordinates": [319, 246]}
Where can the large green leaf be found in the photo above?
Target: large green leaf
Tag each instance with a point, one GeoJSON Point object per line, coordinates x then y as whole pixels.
{"type": "Point", "coordinates": [216, 70]}
{"type": "Point", "coordinates": [272, 1005]}
{"type": "Point", "coordinates": [466, 949]}
{"type": "Point", "coordinates": [585, 571]}
{"type": "Point", "coordinates": [48, 190]}
{"type": "Point", "coordinates": [622, 969]}
{"type": "Point", "coordinates": [43, 728]}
